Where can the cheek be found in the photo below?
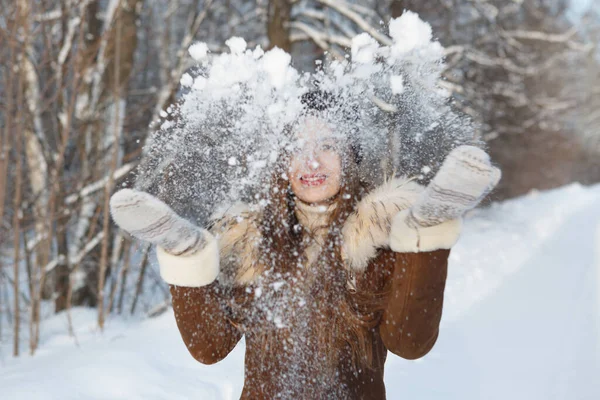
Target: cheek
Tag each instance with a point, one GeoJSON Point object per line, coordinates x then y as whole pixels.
{"type": "Point", "coordinates": [338, 172]}
{"type": "Point", "coordinates": [296, 165]}
{"type": "Point", "coordinates": [292, 170]}
{"type": "Point", "coordinates": [294, 175]}
{"type": "Point", "coordinates": [333, 163]}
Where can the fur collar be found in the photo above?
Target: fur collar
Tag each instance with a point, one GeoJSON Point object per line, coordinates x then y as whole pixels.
{"type": "Point", "coordinates": [368, 228]}
{"type": "Point", "coordinates": [365, 230]}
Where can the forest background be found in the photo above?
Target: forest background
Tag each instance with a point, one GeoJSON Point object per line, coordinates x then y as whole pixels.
{"type": "Point", "coordinates": [83, 83]}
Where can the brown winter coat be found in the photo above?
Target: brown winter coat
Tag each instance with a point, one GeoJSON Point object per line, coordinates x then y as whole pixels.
{"type": "Point", "coordinates": [408, 326]}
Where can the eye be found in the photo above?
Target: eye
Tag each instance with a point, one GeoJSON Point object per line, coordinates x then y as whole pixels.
{"type": "Point", "coordinates": [327, 147]}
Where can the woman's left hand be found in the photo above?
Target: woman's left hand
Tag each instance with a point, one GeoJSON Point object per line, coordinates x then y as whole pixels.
{"type": "Point", "coordinates": [434, 220]}
{"type": "Point", "coordinates": [464, 179]}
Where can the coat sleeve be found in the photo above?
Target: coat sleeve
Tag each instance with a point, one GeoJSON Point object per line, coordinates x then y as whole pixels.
{"type": "Point", "coordinates": [203, 319]}
{"type": "Point", "coordinates": [410, 322]}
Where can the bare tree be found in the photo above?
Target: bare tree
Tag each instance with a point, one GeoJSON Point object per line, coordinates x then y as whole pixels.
{"type": "Point", "coordinates": [516, 67]}
{"type": "Point", "coordinates": [278, 24]}
{"type": "Point", "coordinates": [85, 82]}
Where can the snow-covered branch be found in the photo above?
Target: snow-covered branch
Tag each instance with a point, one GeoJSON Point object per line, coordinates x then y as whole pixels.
{"type": "Point", "coordinates": [320, 38]}
{"type": "Point", "coordinates": [566, 38]}
{"type": "Point", "coordinates": [169, 87]}
{"type": "Point", "coordinates": [90, 189]}
{"type": "Point", "coordinates": [87, 248]}
{"type": "Point", "coordinates": [346, 10]}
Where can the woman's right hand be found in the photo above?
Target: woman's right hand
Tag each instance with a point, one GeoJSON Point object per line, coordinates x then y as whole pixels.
{"type": "Point", "coordinates": [434, 221]}
{"type": "Point", "coordinates": [464, 179]}
{"type": "Point", "coordinates": [149, 219]}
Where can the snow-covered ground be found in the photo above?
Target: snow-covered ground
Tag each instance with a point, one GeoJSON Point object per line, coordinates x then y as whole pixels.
{"type": "Point", "coordinates": [522, 321]}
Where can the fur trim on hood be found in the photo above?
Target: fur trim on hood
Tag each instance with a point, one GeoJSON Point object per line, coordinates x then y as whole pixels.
{"type": "Point", "coordinates": [375, 223]}
{"type": "Point", "coordinates": [368, 228]}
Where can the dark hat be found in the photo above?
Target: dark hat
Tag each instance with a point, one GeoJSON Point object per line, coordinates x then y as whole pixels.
{"type": "Point", "coordinates": [319, 101]}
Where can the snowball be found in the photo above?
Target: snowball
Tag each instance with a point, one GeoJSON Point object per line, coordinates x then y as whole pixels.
{"type": "Point", "coordinates": [258, 52]}
{"type": "Point", "coordinates": [275, 110]}
{"type": "Point", "coordinates": [186, 80]}
{"type": "Point", "coordinates": [278, 322]}
{"type": "Point", "coordinates": [198, 51]}
{"type": "Point", "coordinates": [163, 114]}
{"type": "Point", "coordinates": [276, 62]}
{"type": "Point", "coordinates": [409, 32]}
{"type": "Point", "coordinates": [397, 84]}
{"type": "Point", "coordinates": [232, 161]}
{"type": "Point", "coordinates": [237, 45]}
{"type": "Point", "coordinates": [199, 83]}
{"type": "Point", "coordinates": [364, 48]}
{"type": "Point", "coordinates": [166, 125]}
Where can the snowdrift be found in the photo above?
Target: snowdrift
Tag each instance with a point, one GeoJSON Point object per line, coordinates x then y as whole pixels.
{"type": "Point", "coordinates": [522, 321]}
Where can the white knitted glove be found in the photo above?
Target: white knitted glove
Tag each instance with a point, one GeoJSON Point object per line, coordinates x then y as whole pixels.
{"type": "Point", "coordinates": [433, 222]}
{"type": "Point", "coordinates": [465, 178]}
{"type": "Point", "coordinates": [187, 255]}
{"type": "Point", "coordinates": [149, 219]}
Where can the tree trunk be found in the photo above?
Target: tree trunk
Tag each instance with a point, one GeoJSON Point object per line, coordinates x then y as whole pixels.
{"type": "Point", "coordinates": [278, 18]}
{"type": "Point", "coordinates": [17, 238]}
{"type": "Point", "coordinates": [116, 45]}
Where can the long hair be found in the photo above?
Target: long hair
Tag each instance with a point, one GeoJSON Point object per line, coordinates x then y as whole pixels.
{"type": "Point", "coordinates": [339, 321]}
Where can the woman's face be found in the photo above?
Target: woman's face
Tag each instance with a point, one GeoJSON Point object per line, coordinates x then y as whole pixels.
{"type": "Point", "coordinates": [316, 166]}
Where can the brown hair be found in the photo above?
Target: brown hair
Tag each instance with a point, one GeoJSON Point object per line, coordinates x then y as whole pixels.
{"type": "Point", "coordinates": [338, 319]}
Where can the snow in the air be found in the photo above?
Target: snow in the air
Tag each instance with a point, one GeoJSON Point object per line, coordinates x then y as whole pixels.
{"type": "Point", "coordinates": [277, 64]}
{"type": "Point", "coordinates": [186, 80]}
{"type": "Point", "coordinates": [409, 32]}
{"type": "Point", "coordinates": [364, 48]}
{"type": "Point", "coordinates": [198, 51]}
{"type": "Point", "coordinates": [241, 104]}
{"type": "Point", "coordinates": [397, 83]}
{"type": "Point", "coordinates": [521, 322]}
{"type": "Point", "coordinates": [237, 45]}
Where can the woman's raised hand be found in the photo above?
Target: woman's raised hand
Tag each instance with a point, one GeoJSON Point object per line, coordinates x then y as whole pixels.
{"type": "Point", "coordinates": [464, 179]}
{"type": "Point", "coordinates": [149, 219]}
{"type": "Point", "coordinates": [434, 220]}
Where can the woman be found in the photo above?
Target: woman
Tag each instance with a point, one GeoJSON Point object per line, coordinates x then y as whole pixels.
{"type": "Point", "coordinates": [324, 278]}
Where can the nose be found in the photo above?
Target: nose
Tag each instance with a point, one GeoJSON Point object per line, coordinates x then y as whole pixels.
{"type": "Point", "coordinates": [312, 161]}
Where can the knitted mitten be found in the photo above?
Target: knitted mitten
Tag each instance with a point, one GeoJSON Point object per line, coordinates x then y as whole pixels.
{"type": "Point", "coordinates": [465, 178]}
{"type": "Point", "coordinates": [149, 219]}
{"type": "Point", "coordinates": [433, 222]}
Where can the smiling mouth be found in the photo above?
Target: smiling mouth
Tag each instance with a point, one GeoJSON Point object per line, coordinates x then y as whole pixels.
{"type": "Point", "coordinates": [313, 180]}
